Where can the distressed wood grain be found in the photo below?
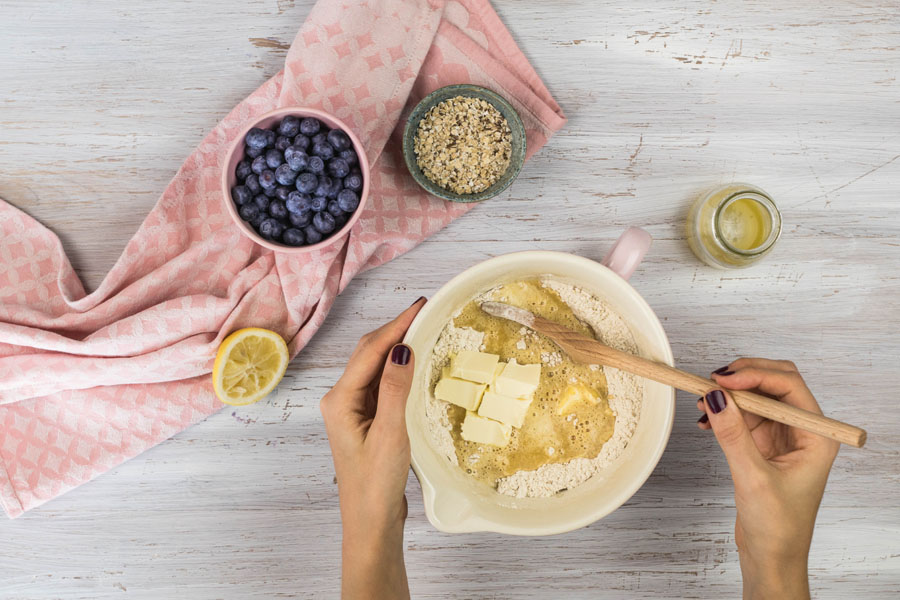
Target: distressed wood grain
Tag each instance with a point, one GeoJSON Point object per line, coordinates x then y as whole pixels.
{"type": "Point", "coordinates": [101, 101]}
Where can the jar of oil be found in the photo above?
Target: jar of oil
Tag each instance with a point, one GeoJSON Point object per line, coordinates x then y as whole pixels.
{"type": "Point", "coordinates": [733, 226]}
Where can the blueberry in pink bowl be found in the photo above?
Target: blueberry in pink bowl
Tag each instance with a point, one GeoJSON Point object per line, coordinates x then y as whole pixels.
{"type": "Point", "coordinates": [296, 179]}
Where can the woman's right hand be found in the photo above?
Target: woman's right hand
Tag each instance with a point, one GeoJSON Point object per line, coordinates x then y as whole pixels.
{"type": "Point", "coordinates": [779, 475]}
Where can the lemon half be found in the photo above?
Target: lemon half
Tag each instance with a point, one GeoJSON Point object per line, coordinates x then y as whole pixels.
{"type": "Point", "coordinates": [249, 364]}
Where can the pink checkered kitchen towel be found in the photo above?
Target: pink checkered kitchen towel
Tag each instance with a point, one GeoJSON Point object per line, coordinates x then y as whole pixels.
{"type": "Point", "coordinates": [88, 381]}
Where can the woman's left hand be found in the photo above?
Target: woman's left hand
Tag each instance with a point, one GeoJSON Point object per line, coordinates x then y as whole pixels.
{"type": "Point", "coordinates": [365, 417]}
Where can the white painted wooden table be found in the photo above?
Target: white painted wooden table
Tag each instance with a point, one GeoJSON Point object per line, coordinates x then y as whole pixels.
{"type": "Point", "coordinates": [100, 101]}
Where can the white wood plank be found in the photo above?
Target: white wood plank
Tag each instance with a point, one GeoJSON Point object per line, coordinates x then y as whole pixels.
{"type": "Point", "coordinates": [102, 101]}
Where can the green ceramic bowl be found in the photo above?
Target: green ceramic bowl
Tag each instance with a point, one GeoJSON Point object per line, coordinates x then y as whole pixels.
{"type": "Point", "coordinates": [516, 159]}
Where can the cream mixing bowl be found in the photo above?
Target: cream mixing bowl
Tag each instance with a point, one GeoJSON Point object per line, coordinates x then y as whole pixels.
{"type": "Point", "coordinates": [456, 502]}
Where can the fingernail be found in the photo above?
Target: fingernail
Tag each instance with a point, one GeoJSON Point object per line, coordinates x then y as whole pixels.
{"type": "Point", "coordinates": [716, 401]}
{"type": "Point", "coordinates": [725, 374]}
{"type": "Point", "coordinates": [703, 419]}
{"type": "Point", "coordinates": [419, 299]}
{"type": "Point", "coordinates": [722, 371]}
{"type": "Point", "coordinates": [400, 355]}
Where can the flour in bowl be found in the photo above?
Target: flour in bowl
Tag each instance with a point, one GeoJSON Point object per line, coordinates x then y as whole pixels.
{"type": "Point", "coordinates": [556, 449]}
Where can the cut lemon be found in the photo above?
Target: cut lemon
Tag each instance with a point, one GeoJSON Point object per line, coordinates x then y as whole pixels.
{"type": "Point", "coordinates": [249, 365]}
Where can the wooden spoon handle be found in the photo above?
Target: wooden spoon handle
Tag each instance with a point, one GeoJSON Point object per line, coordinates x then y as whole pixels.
{"type": "Point", "coordinates": [589, 351]}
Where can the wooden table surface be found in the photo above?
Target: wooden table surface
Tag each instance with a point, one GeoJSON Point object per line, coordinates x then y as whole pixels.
{"type": "Point", "coordinates": [102, 100]}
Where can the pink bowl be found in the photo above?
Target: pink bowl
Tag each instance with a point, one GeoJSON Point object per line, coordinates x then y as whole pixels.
{"type": "Point", "coordinates": [236, 154]}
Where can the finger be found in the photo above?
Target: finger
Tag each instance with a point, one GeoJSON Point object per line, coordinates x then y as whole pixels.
{"type": "Point", "coordinates": [733, 435]}
{"type": "Point", "coordinates": [368, 357]}
{"type": "Point", "coordinates": [703, 422]}
{"type": "Point", "coordinates": [763, 363]}
{"type": "Point", "coordinates": [396, 381]}
{"type": "Point", "coordinates": [788, 387]}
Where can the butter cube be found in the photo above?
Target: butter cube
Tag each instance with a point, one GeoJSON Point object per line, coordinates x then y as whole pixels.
{"type": "Point", "coordinates": [474, 366]}
{"type": "Point", "coordinates": [462, 393]}
{"type": "Point", "coordinates": [573, 395]}
{"type": "Point", "coordinates": [485, 431]}
{"type": "Point", "coordinates": [518, 381]}
{"type": "Point", "coordinates": [510, 411]}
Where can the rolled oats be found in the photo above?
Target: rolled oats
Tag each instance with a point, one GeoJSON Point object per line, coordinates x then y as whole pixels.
{"type": "Point", "coordinates": [463, 145]}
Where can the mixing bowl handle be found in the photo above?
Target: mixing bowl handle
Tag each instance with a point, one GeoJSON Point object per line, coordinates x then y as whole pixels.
{"type": "Point", "coordinates": [628, 251]}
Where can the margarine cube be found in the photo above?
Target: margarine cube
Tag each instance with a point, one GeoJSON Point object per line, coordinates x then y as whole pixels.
{"type": "Point", "coordinates": [497, 370]}
{"type": "Point", "coordinates": [573, 395]}
{"type": "Point", "coordinates": [518, 381]}
{"type": "Point", "coordinates": [474, 366]}
{"type": "Point", "coordinates": [510, 411]}
{"type": "Point", "coordinates": [485, 431]}
{"type": "Point", "coordinates": [466, 394]}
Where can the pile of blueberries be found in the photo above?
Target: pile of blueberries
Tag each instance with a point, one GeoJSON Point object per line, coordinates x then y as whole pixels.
{"type": "Point", "coordinates": [298, 182]}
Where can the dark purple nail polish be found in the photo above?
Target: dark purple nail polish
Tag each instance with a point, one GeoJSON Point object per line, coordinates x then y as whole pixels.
{"type": "Point", "coordinates": [716, 401]}
{"type": "Point", "coordinates": [726, 373]}
{"type": "Point", "coordinates": [400, 355]}
{"type": "Point", "coordinates": [721, 371]}
{"type": "Point", "coordinates": [419, 299]}
{"type": "Point", "coordinates": [703, 419]}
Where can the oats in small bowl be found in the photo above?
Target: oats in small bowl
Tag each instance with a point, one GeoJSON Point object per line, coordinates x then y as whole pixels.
{"type": "Point", "coordinates": [464, 143]}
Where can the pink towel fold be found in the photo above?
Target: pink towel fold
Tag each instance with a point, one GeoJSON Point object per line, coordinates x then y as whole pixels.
{"type": "Point", "coordinates": [88, 381]}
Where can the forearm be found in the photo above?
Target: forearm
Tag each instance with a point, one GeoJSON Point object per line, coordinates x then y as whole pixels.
{"type": "Point", "coordinates": [772, 581]}
{"type": "Point", "coordinates": [373, 566]}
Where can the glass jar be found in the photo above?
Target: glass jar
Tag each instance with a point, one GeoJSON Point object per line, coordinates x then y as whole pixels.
{"type": "Point", "coordinates": [733, 226]}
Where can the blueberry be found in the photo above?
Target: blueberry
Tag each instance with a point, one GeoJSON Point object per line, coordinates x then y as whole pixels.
{"type": "Point", "coordinates": [319, 203]}
{"type": "Point", "coordinates": [324, 150]}
{"type": "Point", "coordinates": [316, 164]}
{"type": "Point", "coordinates": [285, 175]}
{"type": "Point", "coordinates": [254, 152]}
{"type": "Point", "coordinates": [300, 219]}
{"type": "Point", "coordinates": [256, 138]}
{"type": "Point", "coordinates": [278, 210]}
{"type": "Point", "coordinates": [248, 212]}
{"type": "Point", "coordinates": [307, 182]}
{"type": "Point", "coordinates": [353, 182]}
{"type": "Point", "coordinates": [259, 165]}
{"type": "Point", "coordinates": [267, 180]}
{"type": "Point", "coordinates": [348, 200]}
{"type": "Point", "coordinates": [349, 155]}
{"type": "Point", "coordinates": [310, 126]}
{"type": "Point", "coordinates": [282, 142]}
{"type": "Point", "coordinates": [270, 138]}
{"type": "Point", "coordinates": [293, 237]}
{"type": "Point", "coordinates": [270, 192]}
{"type": "Point", "coordinates": [298, 203]}
{"type": "Point", "coordinates": [259, 218]}
{"type": "Point", "coordinates": [338, 167]}
{"type": "Point", "coordinates": [341, 220]}
{"type": "Point", "coordinates": [271, 229]}
{"type": "Point", "coordinates": [338, 139]}
{"type": "Point", "coordinates": [296, 158]}
{"type": "Point", "coordinates": [274, 158]}
{"type": "Point", "coordinates": [282, 193]}
{"type": "Point", "coordinates": [324, 186]}
{"type": "Point", "coordinates": [324, 222]}
{"type": "Point", "coordinates": [262, 202]}
{"type": "Point", "coordinates": [242, 170]}
{"type": "Point", "coordinates": [252, 183]}
{"type": "Point", "coordinates": [301, 141]}
{"type": "Point", "coordinates": [289, 126]}
{"type": "Point", "coordinates": [319, 138]}
{"type": "Point", "coordinates": [334, 208]}
{"type": "Point", "coordinates": [241, 195]}
{"type": "Point", "coordinates": [313, 236]}
{"type": "Point", "coordinates": [336, 187]}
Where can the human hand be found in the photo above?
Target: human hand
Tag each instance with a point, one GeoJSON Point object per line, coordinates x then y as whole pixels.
{"type": "Point", "coordinates": [779, 475]}
{"type": "Point", "coordinates": [365, 418]}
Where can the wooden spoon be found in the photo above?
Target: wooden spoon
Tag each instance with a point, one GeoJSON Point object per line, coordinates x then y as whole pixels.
{"type": "Point", "coordinates": [590, 351]}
